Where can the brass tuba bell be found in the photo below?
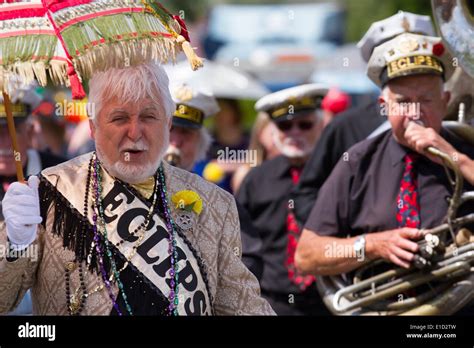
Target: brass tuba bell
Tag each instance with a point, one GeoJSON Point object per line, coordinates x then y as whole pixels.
{"type": "Point", "coordinates": [455, 20]}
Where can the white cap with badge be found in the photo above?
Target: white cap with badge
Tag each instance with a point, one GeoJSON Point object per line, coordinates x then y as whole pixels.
{"type": "Point", "coordinates": [192, 105]}
{"type": "Point", "coordinates": [388, 28]}
{"type": "Point", "coordinates": [292, 102]}
{"type": "Point", "coordinates": [409, 54]}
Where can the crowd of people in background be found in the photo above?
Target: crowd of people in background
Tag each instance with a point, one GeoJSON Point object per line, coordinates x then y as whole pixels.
{"type": "Point", "coordinates": [298, 137]}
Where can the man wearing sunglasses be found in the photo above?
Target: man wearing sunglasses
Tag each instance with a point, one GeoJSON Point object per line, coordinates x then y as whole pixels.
{"type": "Point", "coordinates": [265, 193]}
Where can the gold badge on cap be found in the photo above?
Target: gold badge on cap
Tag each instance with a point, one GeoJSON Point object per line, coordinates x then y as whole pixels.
{"type": "Point", "coordinates": [292, 100]}
{"type": "Point", "coordinates": [407, 46]}
{"type": "Point", "coordinates": [184, 93]}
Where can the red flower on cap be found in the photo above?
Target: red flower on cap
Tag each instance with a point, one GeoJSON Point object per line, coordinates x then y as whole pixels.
{"type": "Point", "coordinates": [438, 49]}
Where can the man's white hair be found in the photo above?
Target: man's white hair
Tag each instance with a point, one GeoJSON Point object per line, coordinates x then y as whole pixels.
{"type": "Point", "coordinates": [131, 85]}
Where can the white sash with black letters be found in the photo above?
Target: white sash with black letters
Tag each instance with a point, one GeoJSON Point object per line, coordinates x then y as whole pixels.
{"type": "Point", "coordinates": [123, 213]}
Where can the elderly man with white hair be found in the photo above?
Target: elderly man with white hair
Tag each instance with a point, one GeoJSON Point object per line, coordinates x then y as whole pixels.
{"type": "Point", "coordinates": [119, 231]}
{"type": "Point", "coordinates": [264, 194]}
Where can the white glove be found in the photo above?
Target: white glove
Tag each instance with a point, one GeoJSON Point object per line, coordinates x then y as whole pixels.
{"type": "Point", "coordinates": [21, 209]}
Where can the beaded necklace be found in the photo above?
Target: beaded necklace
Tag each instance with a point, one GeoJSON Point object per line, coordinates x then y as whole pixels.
{"type": "Point", "coordinates": [101, 245]}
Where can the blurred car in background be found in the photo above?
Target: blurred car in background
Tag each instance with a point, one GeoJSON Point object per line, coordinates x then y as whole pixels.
{"type": "Point", "coordinates": [347, 71]}
{"type": "Point", "coordinates": [278, 44]}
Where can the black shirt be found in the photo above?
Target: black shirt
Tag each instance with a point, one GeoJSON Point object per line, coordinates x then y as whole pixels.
{"type": "Point", "coordinates": [347, 129]}
{"type": "Point", "coordinates": [251, 243]}
{"type": "Point", "coordinates": [265, 194]}
{"type": "Point", "coordinates": [360, 196]}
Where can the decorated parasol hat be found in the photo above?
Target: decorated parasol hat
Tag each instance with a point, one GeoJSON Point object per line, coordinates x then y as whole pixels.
{"type": "Point", "coordinates": [67, 41]}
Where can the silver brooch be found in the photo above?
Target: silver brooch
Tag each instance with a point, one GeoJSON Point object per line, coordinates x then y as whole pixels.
{"type": "Point", "coordinates": [185, 220]}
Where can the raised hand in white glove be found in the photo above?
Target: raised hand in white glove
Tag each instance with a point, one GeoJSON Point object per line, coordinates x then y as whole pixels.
{"type": "Point", "coordinates": [21, 209]}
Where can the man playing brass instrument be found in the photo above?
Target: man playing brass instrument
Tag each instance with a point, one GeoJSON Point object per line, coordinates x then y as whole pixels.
{"type": "Point", "coordinates": [388, 188]}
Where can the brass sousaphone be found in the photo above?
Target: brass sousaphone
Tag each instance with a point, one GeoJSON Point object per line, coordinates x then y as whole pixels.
{"type": "Point", "coordinates": [441, 280]}
{"type": "Point", "coordinates": [455, 21]}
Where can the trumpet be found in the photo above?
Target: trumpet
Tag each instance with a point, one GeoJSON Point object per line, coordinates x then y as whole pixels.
{"type": "Point", "coordinates": [441, 275]}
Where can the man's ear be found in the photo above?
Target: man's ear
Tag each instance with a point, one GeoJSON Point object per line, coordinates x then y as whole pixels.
{"type": "Point", "coordinates": [170, 123]}
{"type": "Point", "coordinates": [446, 97]}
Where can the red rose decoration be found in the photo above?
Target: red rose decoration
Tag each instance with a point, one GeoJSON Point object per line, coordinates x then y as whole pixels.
{"type": "Point", "coordinates": [438, 49]}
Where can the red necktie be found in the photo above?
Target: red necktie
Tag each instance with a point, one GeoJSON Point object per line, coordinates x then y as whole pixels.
{"type": "Point", "coordinates": [293, 235]}
{"type": "Point", "coordinates": [408, 212]}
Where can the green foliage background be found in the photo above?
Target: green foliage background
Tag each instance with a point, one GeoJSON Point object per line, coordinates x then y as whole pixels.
{"type": "Point", "coordinates": [361, 13]}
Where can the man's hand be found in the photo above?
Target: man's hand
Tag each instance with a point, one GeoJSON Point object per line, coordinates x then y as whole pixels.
{"type": "Point", "coordinates": [21, 209]}
{"type": "Point", "coordinates": [396, 245]}
{"type": "Point", "coordinates": [420, 138]}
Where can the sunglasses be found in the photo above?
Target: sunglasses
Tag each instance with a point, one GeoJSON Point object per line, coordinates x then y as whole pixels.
{"type": "Point", "coordinates": [285, 126]}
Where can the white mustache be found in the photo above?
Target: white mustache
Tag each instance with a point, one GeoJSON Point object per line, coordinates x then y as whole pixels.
{"type": "Point", "coordinates": [140, 146]}
{"type": "Point", "coordinates": [292, 141]}
{"type": "Point", "coordinates": [4, 152]}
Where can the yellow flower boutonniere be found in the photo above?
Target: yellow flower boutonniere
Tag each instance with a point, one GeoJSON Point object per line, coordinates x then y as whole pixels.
{"type": "Point", "coordinates": [187, 200]}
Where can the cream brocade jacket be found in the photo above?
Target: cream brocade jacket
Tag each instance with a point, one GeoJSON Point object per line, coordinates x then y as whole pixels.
{"type": "Point", "coordinates": [216, 238]}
